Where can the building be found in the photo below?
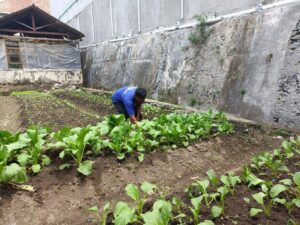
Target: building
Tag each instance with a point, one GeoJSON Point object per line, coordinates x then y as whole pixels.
{"type": "Point", "coordinates": [34, 46]}
{"type": "Point", "coordinates": [9, 6]}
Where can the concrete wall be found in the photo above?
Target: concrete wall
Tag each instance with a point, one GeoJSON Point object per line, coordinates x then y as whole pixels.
{"type": "Point", "coordinates": [32, 76]}
{"type": "Point", "coordinates": [123, 18]}
{"type": "Point", "coordinates": [248, 67]}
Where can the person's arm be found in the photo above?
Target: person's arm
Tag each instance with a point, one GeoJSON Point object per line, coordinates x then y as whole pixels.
{"type": "Point", "coordinates": [129, 106]}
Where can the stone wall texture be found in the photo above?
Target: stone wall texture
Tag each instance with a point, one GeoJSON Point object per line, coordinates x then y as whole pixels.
{"type": "Point", "coordinates": [249, 66]}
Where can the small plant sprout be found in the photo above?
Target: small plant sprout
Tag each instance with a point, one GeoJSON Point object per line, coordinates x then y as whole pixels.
{"type": "Point", "coordinates": [207, 222]}
{"type": "Point", "coordinates": [216, 211]}
{"type": "Point", "coordinates": [202, 188]}
{"type": "Point", "coordinates": [177, 208]}
{"type": "Point", "coordinates": [230, 181]}
{"type": "Point", "coordinates": [249, 178]}
{"type": "Point", "coordinates": [134, 193]}
{"type": "Point", "coordinates": [161, 213]}
{"type": "Point", "coordinates": [223, 192]}
{"type": "Point", "coordinates": [296, 190]}
{"type": "Point", "coordinates": [123, 214]}
{"type": "Point", "coordinates": [202, 33]}
{"type": "Point", "coordinates": [212, 176]}
{"type": "Point", "coordinates": [288, 149]}
{"type": "Point", "coordinates": [102, 219]}
{"type": "Point", "coordinates": [196, 203]}
{"type": "Point", "coordinates": [259, 198]}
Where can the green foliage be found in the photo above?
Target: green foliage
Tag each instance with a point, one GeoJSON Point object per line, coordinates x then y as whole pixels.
{"type": "Point", "coordinates": [160, 215]}
{"type": "Point", "coordinates": [193, 101]}
{"type": "Point", "coordinates": [115, 133]}
{"type": "Point", "coordinates": [102, 218]}
{"type": "Point", "coordinates": [12, 173]}
{"type": "Point", "coordinates": [196, 207]}
{"type": "Point", "coordinates": [28, 93]}
{"type": "Point", "coordinates": [176, 212]}
{"type": "Point", "coordinates": [202, 33]}
{"type": "Point", "coordinates": [230, 181]}
{"type": "Point", "coordinates": [150, 110]}
{"type": "Point", "coordinates": [22, 150]}
{"type": "Point", "coordinates": [212, 176]}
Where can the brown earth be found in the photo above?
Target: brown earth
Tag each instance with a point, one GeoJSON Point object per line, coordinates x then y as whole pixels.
{"type": "Point", "coordinates": [62, 197]}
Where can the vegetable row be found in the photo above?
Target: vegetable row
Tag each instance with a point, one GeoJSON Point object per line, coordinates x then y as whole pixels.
{"type": "Point", "coordinates": [268, 179]}
{"type": "Point", "coordinates": [28, 152]}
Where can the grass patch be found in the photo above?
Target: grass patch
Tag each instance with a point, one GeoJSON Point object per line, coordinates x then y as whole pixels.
{"type": "Point", "coordinates": [28, 93]}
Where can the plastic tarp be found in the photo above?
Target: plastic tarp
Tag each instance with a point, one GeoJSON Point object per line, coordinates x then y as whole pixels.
{"type": "Point", "coordinates": [42, 56]}
{"type": "Point", "coordinates": [3, 58]}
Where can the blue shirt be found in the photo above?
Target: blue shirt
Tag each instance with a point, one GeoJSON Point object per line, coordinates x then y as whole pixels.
{"type": "Point", "coordinates": [125, 95]}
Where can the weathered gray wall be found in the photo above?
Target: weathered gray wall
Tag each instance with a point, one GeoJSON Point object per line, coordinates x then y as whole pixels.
{"type": "Point", "coordinates": [100, 21]}
{"type": "Point", "coordinates": [248, 67]}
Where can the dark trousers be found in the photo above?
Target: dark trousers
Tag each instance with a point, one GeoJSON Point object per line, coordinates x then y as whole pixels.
{"type": "Point", "coordinates": [120, 109]}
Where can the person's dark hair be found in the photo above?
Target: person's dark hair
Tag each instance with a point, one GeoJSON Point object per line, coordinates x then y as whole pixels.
{"type": "Point", "coordinates": [141, 92]}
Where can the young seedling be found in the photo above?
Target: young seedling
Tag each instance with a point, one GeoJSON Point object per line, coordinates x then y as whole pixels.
{"type": "Point", "coordinates": [196, 203]}
{"type": "Point", "coordinates": [124, 215]}
{"type": "Point", "coordinates": [140, 199]}
{"type": "Point", "coordinates": [212, 176]}
{"type": "Point", "coordinates": [288, 149]}
{"type": "Point", "coordinates": [230, 181]}
{"type": "Point", "coordinates": [102, 218]}
{"type": "Point", "coordinates": [202, 188]}
{"type": "Point", "coordinates": [223, 192]}
{"type": "Point", "coordinates": [177, 209]}
{"type": "Point", "coordinates": [249, 178]}
{"type": "Point", "coordinates": [160, 215]}
{"type": "Point", "coordinates": [266, 208]}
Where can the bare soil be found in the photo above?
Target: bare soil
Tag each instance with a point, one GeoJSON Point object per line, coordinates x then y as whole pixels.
{"type": "Point", "coordinates": [62, 197]}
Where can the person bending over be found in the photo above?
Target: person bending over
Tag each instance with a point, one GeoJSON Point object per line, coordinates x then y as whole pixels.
{"type": "Point", "coordinates": [128, 101]}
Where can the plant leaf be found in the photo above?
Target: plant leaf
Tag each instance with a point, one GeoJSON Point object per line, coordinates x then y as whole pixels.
{"type": "Point", "coordinates": [212, 176]}
{"type": "Point", "coordinates": [85, 167]}
{"type": "Point", "coordinates": [132, 191]}
{"type": "Point", "coordinates": [216, 211]}
{"type": "Point", "coordinates": [255, 211]}
{"type": "Point", "coordinates": [287, 182]}
{"type": "Point", "coordinates": [123, 214]}
{"type": "Point", "coordinates": [196, 202]}
{"type": "Point", "coordinates": [259, 197]}
{"type": "Point", "coordinates": [141, 157]}
{"type": "Point", "coordinates": [281, 201]}
{"type": "Point", "coordinates": [207, 222]}
{"type": "Point", "coordinates": [15, 146]}
{"type": "Point", "coordinates": [13, 173]}
{"type": "Point", "coordinates": [296, 178]}
{"type": "Point", "coordinates": [64, 166]}
{"type": "Point", "coordinates": [36, 168]}
{"type": "Point", "coordinates": [148, 187]}
{"type": "Point", "coordinates": [23, 159]}
{"type": "Point", "coordinates": [277, 189]}
{"type": "Point", "coordinates": [46, 160]}
{"type": "Point", "coordinates": [247, 200]}
{"type": "Point", "coordinates": [93, 209]}
{"type": "Point", "coordinates": [296, 202]}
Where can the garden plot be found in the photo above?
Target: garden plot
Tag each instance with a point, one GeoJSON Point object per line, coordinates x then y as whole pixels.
{"type": "Point", "coordinates": [172, 151]}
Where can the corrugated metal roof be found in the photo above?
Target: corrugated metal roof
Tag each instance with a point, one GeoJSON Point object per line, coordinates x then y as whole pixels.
{"type": "Point", "coordinates": [34, 22]}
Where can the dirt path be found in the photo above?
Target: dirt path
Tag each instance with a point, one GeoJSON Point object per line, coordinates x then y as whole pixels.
{"type": "Point", "coordinates": [9, 114]}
